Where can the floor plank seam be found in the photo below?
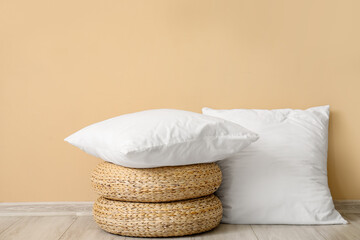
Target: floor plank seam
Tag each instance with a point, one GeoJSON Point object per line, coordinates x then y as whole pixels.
{"type": "Point", "coordinates": [251, 226]}
{"type": "Point", "coordinates": [321, 234]}
{"type": "Point", "coordinates": [68, 227]}
{"type": "Point", "coordinates": [11, 225]}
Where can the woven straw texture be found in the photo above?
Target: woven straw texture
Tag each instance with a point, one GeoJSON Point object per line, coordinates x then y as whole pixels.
{"type": "Point", "coordinates": [158, 219]}
{"type": "Point", "coordinates": [163, 184]}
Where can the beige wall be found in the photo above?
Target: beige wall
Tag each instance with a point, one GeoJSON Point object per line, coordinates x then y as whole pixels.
{"type": "Point", "coordinates": [66, 64]}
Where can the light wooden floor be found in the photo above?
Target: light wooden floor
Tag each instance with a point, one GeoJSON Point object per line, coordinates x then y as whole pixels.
{"type": "Point", "coordinates": [84, 228]}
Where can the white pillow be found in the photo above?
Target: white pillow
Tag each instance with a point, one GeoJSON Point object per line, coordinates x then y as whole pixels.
{"type": "Point", "coordinates": [162, 137]}
{"type": "Point", "coordinates": [282, 178]}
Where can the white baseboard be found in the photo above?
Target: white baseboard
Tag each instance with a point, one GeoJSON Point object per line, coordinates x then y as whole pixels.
{"type": "Point", "coordinates": [46, 208]}
{"type": "Point", "coordinates": [85, 208]}
{"type": "Point", "coordinates": [347, 206]}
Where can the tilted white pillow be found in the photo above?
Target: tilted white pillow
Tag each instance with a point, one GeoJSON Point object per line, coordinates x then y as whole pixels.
{"type": "Point", "coordinates": [162, 137]}
{"type": "Point", "coordinates": [282, 178]}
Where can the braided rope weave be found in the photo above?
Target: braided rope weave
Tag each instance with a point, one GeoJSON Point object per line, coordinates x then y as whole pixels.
{"type": "Point", "coordinates": [161, 184]}
{"type": "Point", "coordinates": [158, 219]}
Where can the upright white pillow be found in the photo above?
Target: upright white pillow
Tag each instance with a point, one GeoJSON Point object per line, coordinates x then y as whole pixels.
{"type": "Point", "coordinates": [282, 178]}
{"type": "Point", "coordinates": [162, 137]}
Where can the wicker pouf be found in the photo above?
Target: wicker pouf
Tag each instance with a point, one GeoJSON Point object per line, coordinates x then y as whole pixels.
{"type": "Point", "coordinates": [161, 184]}
{"type": "Point", "coordinates": [158, 219]}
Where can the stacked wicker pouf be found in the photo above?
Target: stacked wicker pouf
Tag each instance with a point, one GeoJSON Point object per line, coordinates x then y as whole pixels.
{"type": "Point", "coordinates": [157, 202]}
